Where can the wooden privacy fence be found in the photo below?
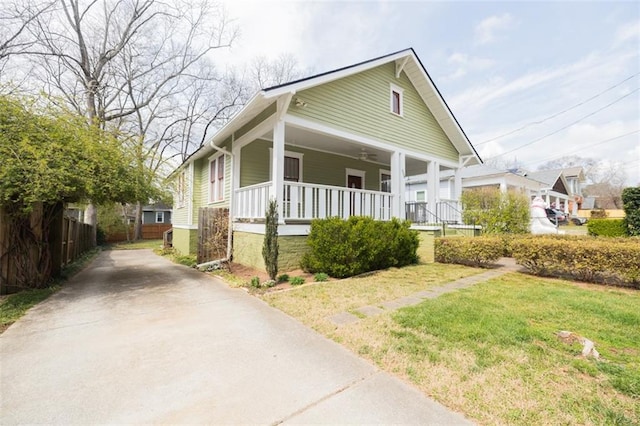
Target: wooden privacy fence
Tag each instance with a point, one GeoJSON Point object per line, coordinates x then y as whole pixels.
{"type": "Point", "coordinates": [213, 230]}
{"type": "Point", "coordinates": [35, 249]}
{"type": "Point", "coordinates": [76, 239]}
{"type": "Point", "coordinates": [149, 232]}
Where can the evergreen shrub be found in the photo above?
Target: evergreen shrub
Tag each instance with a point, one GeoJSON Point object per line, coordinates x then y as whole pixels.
{"type": "Point", "coordinates": [344, 248]}
{"type": "Point", "coordinates": [471, 251]}
{"type": "Point", "coordinates": [607, 227]}
{"type": "Point", "coordinates": [631, 205]}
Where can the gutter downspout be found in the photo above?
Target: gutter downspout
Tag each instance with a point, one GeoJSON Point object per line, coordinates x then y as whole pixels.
{"type": "Point", "coordinates": [230, 225]}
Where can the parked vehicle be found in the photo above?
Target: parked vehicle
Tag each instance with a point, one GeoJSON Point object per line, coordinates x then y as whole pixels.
{"type": "Point", "coordinates": [578, 220]}
{"type": "Point", "coordinates": [557, 217]}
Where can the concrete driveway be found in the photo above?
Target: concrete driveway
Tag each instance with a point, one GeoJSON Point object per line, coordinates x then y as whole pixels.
{"type": "Point", "coordinates": [134, 338]}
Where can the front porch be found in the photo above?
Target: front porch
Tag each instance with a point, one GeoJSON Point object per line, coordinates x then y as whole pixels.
{"type": "Point", "coordinates": [303, 202]}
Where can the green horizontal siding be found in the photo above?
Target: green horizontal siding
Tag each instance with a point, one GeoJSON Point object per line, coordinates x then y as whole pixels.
{"type": "Point", "coordinates": [203, 171]}
{"type": "Point", "coordinates": [180, 214]}
{"type": "Point", "coordinates": [361, 103]}
{"type": "Point", "coordinates": [317, 167]}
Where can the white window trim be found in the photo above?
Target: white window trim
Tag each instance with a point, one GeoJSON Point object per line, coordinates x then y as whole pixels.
{"type": "Point", "coordinates": [209, 183]}
{"type": "Point", "coordinates": [162, 217]}
{"type": "Point", "coordinates": [354, 172]}
{"type": "Point", "coordinates": [383, 172]}
{"type": "Point", "coordinates": [291, 154]}
{"type": "Point", "coordinates": [399, 90]}
{"type": "Point", "coordinates": [424, 193]}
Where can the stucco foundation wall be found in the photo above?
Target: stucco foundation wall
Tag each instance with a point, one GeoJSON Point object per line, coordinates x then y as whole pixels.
{"type": "Point", "coordinates": [247, 250]}
{"type": "Point", "coordinates": [185, 241]}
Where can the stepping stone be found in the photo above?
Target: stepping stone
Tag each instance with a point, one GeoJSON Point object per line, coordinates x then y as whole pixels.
{"type": "Point", "coordinates": [428, 294]}
{"type": "Point", "coordinates": [402, 302]}
{"type": "Point", "coordinates": [343, 318]}
{"type": "Point", "coordinates": [370, 310]}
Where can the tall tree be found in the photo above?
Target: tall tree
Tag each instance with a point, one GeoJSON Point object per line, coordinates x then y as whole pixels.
{"type": "Point", "coordinates": [111, 59]}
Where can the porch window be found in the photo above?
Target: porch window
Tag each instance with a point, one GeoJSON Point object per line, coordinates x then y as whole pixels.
{"type": "Point", "coordinates": [159, 217]}
{"type": "Point", "coordinates": [292, 169]}
{"type": "Point", "coordinates": [216, 179]}
{"type": "Point", "coordinates": [396, 100]}
{"type": "Point", "coordinates": [420, 196]}
{"type": "Point", "coordinates": [385, 181]}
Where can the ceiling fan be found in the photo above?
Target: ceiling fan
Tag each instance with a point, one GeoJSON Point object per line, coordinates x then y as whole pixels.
{"type": "Point", "coordinates": [364, 155]}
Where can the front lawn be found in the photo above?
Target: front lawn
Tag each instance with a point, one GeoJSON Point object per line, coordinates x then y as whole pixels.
{"type": "Point", "coordinates": [490, 351]}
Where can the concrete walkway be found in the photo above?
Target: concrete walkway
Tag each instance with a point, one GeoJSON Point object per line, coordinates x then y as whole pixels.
{"type": "Point", "coordinates": [135, 338]}
{"type": "Point", "coordinates": [504, 265]}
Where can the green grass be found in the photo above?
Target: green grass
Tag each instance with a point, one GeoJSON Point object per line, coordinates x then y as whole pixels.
{"type": "Point", "coordinates": [505, 332]}
{"type": "Point", "coordinates": [490, 351]}
{"type": "Point", "coordinates": [136, 245]}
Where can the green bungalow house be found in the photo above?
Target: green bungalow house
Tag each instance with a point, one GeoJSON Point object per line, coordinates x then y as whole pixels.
{"type": "Point", "coordinates": [339, 143]}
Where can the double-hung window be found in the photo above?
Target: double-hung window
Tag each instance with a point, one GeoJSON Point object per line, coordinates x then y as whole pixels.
{"type": "Point", "coordinates": [159, 217]}
{"type": "Point", "coordinates": [396, 101]}
{"type": "Point", "coordinates": [216, 179]}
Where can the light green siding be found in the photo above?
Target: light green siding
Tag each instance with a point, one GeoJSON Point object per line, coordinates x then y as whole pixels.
{"type": "Point", "coordinates": [317, 167]}
{"type": "Point", "coordinates": [247, 250]}
{"type": "Point", "coordinates": [361, 103]}
{"type": "Point", "coordinates": [198, 182]}
{"type": "Point", "coordinates": [203, 170]}
{"type": "Point", "coordinates": [180, 214]}
{"type": "Point", "coordinates": [185, 241]}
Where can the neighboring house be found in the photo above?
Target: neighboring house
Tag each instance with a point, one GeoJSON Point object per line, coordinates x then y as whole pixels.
{"type": "Point", "coordinates": [339, 143]}
{"type": "Point", "coordinates": [156, 213]}
{"type": "Point", "coordinates": [556, 190]}
{"type": "Point", "coordinates": [476, 176]}
{"type": "Point", "coordinates": [576, 179]}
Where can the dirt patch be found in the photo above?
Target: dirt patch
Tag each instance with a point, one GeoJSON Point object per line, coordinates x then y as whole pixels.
{"type": "Point", "coordinates": [245, 273]}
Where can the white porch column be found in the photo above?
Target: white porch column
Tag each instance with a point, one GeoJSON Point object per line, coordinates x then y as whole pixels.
{"type": "Point", "coordinates": [397, 185]}
{"type": "Point", "coordinates": [235, 180]}
{"type": "Point", "coordinates": [277, 168]}
{"type": "Point", "coordinates": [457, 185]}
{"type": "Point", "coordinates": [503, 186]}
{"type": "Point", "coordinates": [433, 185]}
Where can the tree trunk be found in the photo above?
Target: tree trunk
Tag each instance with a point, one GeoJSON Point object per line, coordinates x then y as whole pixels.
{"type": "Point", "coordinates": [137, 227]}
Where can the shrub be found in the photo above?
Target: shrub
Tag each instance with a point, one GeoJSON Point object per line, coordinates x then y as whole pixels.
{"type": "Point", "coordinates": [496, 212]}
{"type": "Point", "coordinates": [343, 248]}
{"type": "Point", "coordinates": [598, 214]}
{"type": "Point", "coordinates": [474, 251]}
{"type": "Point", "coordinates": [268, 284]}
{"type": "Point", "coordinates": [187, 260]}
{"type": "Point", "coordinates": [631, 205]}
{"type": "Point", "coordinates": [607, 227]}
{"type": "Point", "coordinates": [296, 281]}
{"type": "Point", "coordinates": [255, 282]}
{"type": "Point", "coordinates": [320, 276]}
{"type": "Point", "coordinates": [283, 278]}
{"type": "Point", "coordinates": [270, 244]}
{"type": "Point", "coordinates": [605, 261]}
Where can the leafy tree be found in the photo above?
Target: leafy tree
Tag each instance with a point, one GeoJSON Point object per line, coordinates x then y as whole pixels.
{"type": "Point", "coordinates": [496, 212]}
{"type": "Point", "coordinates": [631, 199]}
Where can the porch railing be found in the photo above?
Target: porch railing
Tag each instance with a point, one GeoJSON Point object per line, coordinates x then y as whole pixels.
{"type": "Point", "coordinates": [305, 201]}
{"type": "Point", "coordinates": [446, 211]}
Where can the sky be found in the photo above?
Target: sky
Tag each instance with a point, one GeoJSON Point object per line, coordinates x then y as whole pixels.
{"type": "Point", "coordinates": [528, 81]}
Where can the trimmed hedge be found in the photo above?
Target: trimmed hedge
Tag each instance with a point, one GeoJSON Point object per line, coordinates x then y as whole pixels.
{"type": "Point", "coordinates": [343, 248]}
{"type": "Point", "coordinates": [607, 227]}
{"type": "Point", "coordinates": [476, 251]}
{"type": "Point", "coordinates": [604, 261]}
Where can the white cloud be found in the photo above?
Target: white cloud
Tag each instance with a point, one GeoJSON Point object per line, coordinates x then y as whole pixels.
{"type": "Point", "coordinates": [465, 64]}
{"type": "Point", "coordinates": [628, 31]}
{"type": "Point", "coordinates": [486, 31]}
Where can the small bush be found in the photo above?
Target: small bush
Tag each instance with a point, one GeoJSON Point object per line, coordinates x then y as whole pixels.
{"type": "Point", "coordinates": [255, 282]}
{"type": "Point", "coordinates": [320, 276]}
{"type": "Point", "coordinates": [187, 260]}
{"type": "Point", "coordinates": [607, 227]}
{"type": "Point", "coordinates": [343, 248]}
{"type": "Point", "coordinates": [268, 284]}
{"type": "Point", "coordinates": [598, 214]}
{"type": "Point", "coordinates": [296, 281]}
{"type": "Point", "coordinates": [283, 278]}
{"type": "Point", "coordinates": [472, 251]}
{"type": "Point", "coordinates": [604, 261]}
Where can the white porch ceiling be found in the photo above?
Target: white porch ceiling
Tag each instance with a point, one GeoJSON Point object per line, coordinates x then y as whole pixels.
{"type": "Point", "coordinates": [303, 138]}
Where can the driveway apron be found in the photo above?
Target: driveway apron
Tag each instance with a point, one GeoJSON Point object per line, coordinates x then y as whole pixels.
{"type": "Point", "coordinates": [134, 338]}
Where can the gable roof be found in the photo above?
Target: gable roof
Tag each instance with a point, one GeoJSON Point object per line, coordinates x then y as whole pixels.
{"type": "Point", "coordinates": [548, 177]}
{"type": "Point", "coordinates": [406, 61]}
